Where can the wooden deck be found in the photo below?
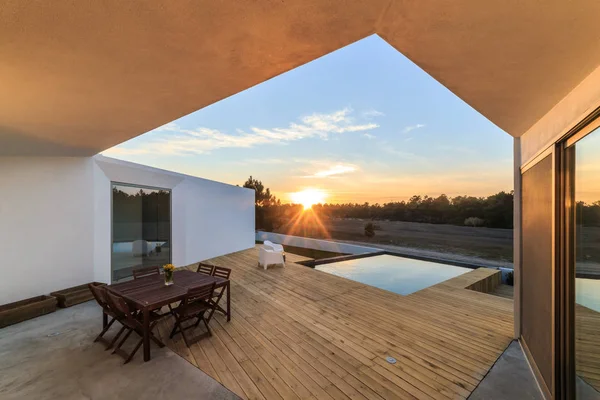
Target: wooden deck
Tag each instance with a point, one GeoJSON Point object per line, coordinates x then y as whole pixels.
{"type": "Point", "coordinates": [587, 345]}
{"type": "Point", "coordinates": [301, 333]}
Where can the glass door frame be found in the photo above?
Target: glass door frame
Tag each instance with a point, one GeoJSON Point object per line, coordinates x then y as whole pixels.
{"type": "Point", "coordinates": [135, 185]}
{"type": "Point", "coordinates": [565, 368]}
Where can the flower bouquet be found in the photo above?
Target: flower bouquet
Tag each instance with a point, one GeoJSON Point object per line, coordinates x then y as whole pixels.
{"type": "Point", "coordinates": [169, 269]}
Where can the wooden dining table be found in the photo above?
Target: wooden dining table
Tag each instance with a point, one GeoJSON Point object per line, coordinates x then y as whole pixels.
{"type": "Point", "coordinates": [150, 293]}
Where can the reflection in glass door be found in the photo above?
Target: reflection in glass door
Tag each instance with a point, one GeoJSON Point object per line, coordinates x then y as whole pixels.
{"type": "Point", "coordinates": [584, 157]}
{"type": "Point", "coordinates": [141, 229]}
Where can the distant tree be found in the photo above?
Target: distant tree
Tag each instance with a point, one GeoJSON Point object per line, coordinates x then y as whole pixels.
{"type": "Point", "coordinates": [369, 229]}
{"type": "Point", "coordinates": [263, 197]}
{"type": "Point", "coordinates": [267, 213]}
{"type": "Point", "coordinates": [474, 221]}
{"type": "Point", "coordinates": [498, 210]}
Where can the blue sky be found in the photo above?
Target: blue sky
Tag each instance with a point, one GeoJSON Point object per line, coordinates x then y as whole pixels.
{"type": "Point", "coordinates": [361, 124]}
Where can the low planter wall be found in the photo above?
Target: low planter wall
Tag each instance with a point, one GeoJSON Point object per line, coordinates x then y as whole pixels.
{"type": "Point", "coordinates": [74, 295]}
{"type": "Point", "coordinates": [315, 244]}
{"type": "Point", "coordinates": [23, 310]}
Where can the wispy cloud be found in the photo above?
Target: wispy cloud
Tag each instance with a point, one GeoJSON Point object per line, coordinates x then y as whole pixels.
{"type": "Point", "coordinates": [412, 128]}
{"type": "Point", "coordinates": [173, 139]}
{"type": "Point", "coordinates": [369, 136]}
{"type": "Point", "coordinates": [372, 114]}
{"type": "Point", "coordinates": [334, 170]}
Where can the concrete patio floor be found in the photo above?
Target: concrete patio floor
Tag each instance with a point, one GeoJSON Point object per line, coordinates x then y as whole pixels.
{"type": "Point", "coordinates": [54, 357]}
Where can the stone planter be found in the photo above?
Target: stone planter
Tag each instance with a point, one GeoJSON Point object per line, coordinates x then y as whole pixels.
{"type": "Point", "coordinates": [74, 295]}
{"type": "Point", "coordinates": [23, 310]}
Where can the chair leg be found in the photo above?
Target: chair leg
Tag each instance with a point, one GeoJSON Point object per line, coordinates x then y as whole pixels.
{"type": "Point", "coordinates": [154, 338]}
{"type": "Point", "coordinates": [174, 330]}
{"type": "Point", "coordinates": [178, 328]}
{"type": "Point", "coordinates": [206, 324]}
{"type": "Point", "coordinates": [129, 331]}
{"type": "Point", "coordinates": [112, 342]}
{"type": "Point", "coordinates": [135, 349]}
{"type": "Point", "coordinates": [185, 339]}
{"type": "Point", "coordinates": [106, 328]}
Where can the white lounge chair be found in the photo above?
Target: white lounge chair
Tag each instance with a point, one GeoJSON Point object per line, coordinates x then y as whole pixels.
{"type": "Point", "coordinates": [271, 254]}
{"type": "Point", "coordinates": [274, 246]}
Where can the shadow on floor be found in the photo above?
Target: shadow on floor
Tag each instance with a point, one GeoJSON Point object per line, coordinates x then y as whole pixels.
{"type": "Point", "coordinates": [54, 357]}
{"type": "Point", "coordinates": [509, 378]}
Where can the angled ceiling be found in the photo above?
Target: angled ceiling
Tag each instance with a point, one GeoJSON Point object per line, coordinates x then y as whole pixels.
{"type": "Point", "coordinates": [80, 77]}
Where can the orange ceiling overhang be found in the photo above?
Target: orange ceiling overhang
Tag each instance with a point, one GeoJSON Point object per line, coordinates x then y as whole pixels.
{"type": "Point", "coordinates": [78, 77]}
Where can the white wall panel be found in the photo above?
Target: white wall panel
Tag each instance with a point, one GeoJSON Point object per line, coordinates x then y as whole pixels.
{"type": "Point", "coordinates": [55, 220]}
{"type": "Point", "coordinates": [46, 221]}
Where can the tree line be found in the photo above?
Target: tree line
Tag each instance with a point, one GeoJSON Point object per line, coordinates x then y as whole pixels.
{"type": "Point", "coordinates": [495, 211]}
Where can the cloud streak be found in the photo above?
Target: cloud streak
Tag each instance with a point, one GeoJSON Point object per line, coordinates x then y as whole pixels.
{"type": "Point", "coordinates": [412, 128]}
{"type": "Point", "coordinates": [173, 139]}
{"type": "Point", "coordinates": [338, 169]}
{"type": "Point", "coordinates": [373, 113]}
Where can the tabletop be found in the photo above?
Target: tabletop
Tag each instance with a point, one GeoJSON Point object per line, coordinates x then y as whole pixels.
{"type": "Point", "coordinates": [151, 291]}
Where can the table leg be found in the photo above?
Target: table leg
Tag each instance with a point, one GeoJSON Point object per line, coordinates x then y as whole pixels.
{"type": "Point", "coordinates": [104, 320]}
{"type": "Point", "coordinates": [146, 334]}
{"type": "Point", "coordinates": [228, 301]}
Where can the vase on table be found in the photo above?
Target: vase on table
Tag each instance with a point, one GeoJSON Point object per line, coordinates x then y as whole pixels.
{"type": "Point", "coordinates": [168, 269]}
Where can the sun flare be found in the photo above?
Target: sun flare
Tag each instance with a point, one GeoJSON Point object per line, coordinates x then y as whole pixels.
{"type": "Point", "coordinates": [308, 197]}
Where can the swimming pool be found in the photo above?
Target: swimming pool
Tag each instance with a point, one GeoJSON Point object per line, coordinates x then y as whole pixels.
{"type": "Point", "coordinates": [397, 274]}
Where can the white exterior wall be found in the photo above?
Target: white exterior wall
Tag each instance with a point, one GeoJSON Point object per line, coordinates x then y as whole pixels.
{"type": "Point", "coordinates": [55, 220]}
{"type": "Point", "coordinates": [46, 225]}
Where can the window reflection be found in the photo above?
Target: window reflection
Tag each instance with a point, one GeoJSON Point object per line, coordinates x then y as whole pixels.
{"type": "Point", "coordinates": [141, 228]}
{"type": "Point", "coordinates": [587, 265]}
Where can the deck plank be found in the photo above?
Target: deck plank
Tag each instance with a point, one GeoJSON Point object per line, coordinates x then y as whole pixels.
{"type": "Point", "coordinates": [297, 332]}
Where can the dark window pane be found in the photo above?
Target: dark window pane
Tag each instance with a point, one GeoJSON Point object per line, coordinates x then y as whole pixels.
{"type": "Point", "coordinates": [141, 228]}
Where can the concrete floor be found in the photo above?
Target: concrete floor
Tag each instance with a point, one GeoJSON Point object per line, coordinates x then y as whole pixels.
{"type": "Point", "coordinates": [54, 357]}
{"type": "Point", "coordinates": [509, 378]}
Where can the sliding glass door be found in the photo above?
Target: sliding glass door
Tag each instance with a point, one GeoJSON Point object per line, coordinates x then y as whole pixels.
{"type": "Point", "coordinates": [581, 265]}
{"type": "Point", "coordinates": [141, 228]}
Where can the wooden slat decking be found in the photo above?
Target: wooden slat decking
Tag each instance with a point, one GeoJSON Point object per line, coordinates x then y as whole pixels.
{"type": "Point", "coordinates": [301, 333]}
{"type": "Point", "coordinates": [587, 345]}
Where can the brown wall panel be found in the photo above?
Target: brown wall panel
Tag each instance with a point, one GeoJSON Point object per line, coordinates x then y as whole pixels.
{"type": "Point", "coordinates": [536, 268]}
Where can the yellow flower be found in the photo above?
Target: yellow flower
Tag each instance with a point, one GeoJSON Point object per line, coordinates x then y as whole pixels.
{"type": "Point", "coordinates": [169, 267]}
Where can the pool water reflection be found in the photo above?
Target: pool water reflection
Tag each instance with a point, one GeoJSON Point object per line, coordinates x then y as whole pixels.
{"type": "Point", "coordinates": [395, 274]}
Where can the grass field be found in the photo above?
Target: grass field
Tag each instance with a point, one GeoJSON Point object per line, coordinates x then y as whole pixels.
{"type": "Point", "coordinates": [485, 243]}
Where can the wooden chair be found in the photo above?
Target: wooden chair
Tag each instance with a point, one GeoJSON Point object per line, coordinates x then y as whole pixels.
{"type": "Point", "coordinates": [132, 323]}
{"type": "Point", "coordinates": [194, 305]}
{"type": "Point", "coordinates": [205, 269]}
{"type": "Point", "coordinates": [220, 272]}
{"type": "Point", "coordinates": [99, 293]}
{"type": "Point", "coordinates": [145, 271]}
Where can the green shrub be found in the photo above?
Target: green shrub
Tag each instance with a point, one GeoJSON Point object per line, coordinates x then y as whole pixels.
{"type": "Point", "coordinates": [474, 221]}
{"type": "Point", "coordinates": [369, 230]}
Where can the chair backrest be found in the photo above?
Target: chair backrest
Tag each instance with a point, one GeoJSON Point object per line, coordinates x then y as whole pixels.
{"type": "Point", "coordinates": [99, 293]}
{"type": "Point", "coordinates": [272, 246]}
{"type": "Point", "coordinates": [222, 272]}
{"type": "Point", "coordinates": [198, 293]}
{"type": "Point", "coordinates": [145, 271]}
{"type": "Point", "coordinates": [206, 269]}
{"type": "Point", "coordinates": [118, 305]}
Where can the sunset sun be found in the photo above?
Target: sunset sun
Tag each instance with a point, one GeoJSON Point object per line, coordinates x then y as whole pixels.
{"type": "Point", "coordinates": [308, 197]}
